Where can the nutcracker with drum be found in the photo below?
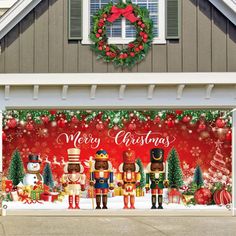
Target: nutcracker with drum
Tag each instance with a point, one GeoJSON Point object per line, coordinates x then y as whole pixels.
{"type": "Point", "coordinates": [74, 178]}
{"type": "Point", "coordinates": [156, 175]}
{"type": "Point", "coordinates": [101, 178]}
{"type": "Point", "coordinates": [129, 178]}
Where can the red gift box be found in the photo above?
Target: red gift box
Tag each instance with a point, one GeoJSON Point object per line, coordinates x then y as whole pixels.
{"type": "Point", "coordinates": [49, 197]}
{"type": "Point", "coordinates": [7, 186]}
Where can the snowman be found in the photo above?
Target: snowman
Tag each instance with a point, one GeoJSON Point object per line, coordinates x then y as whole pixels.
{"type": "Point", "coordinates": [32, 177]}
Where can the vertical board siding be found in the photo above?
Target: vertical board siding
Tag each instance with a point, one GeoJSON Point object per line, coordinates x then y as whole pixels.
{"type": "Point", "coordinates": [56, 33]}
{"type": "Point", "coordinates": [12, 51]}
{"type": "Point", "coordinates": [189, 36]}
{"type": "Point", "coordinates": [39, 43]}
{"type": "Point", "coordinates": [231, 48]}
{"type": "Point", "coordinates": [41, 35]}
{"type": "Point", "coordinates": [219, 49]}
{"type": "Point", "coordinates": [27, 44]}
{"type": "Point", "coordinates": [204, 36]}
{"type": "Point", "coordinates": [70, 60]}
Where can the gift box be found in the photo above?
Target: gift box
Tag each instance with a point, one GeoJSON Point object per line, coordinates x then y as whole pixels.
{"type": "Point", "coordinates": [49, 197]}
{"type": "Point", "coordinates": [14, 196]}
{"type": "Point", "coordinates": [7, 185]}
{"type": "Point", "coordinates": [35, 194]}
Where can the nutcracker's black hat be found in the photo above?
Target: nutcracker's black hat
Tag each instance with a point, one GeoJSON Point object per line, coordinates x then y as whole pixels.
{"type": "Point", "coordinates": [34, 158]}
{"type": "Point", "coordinates": [157, 155]}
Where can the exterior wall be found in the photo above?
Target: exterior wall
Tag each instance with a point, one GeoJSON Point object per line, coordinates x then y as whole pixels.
{"type": "Point", "coordinates": [39, 44]}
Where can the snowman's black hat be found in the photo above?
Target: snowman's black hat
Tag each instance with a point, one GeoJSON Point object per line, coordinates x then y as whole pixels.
{"type": "Point", "coordinates": [34, 158]}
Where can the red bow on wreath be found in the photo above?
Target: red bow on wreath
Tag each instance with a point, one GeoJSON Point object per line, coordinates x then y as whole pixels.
{"type": "Point", "coordinates": [126, 12]}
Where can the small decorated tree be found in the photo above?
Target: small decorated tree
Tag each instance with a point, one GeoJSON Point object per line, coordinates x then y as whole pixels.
{"type": "Point", "coordinates": [16, 169]}
{"type": "Point", "coordinates": [142, 180]}
{"type": "Point", "coordinates": [47, 176]}
{"type": "Point", "coordinates": [198, 179]}
{"type": "Point", "coordinates": [175, 175]}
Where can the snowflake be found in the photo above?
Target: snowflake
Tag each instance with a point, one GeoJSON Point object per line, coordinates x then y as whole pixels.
{"type": "Point", "coordinates": [195, 151]}
{"type": "Point", "coordinates": [42, 133]}
{"type": "Point", "coordinates": [19, 133]}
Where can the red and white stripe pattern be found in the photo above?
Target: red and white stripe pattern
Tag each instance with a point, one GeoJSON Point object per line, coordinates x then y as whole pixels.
{"type": "Point", "coordinates": [222, 197]}
{"type": "Point", "coordinates": [73, 155]}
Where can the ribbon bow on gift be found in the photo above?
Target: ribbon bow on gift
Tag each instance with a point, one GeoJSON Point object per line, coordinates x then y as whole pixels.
{"type": "Point", "coordinates": [126, 12]}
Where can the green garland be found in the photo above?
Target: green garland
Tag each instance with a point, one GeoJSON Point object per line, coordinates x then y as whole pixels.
{"type": "Point", "coordinates": [136, 50]}
{"type": "Point", "coordinates": [117, 117]}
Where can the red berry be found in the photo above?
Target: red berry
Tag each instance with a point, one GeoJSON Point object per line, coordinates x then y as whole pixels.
{"type": "Point", "coordinates": [132, 54]}
{"type": "Point", "coordinates": [108, 53]}
{"type": "Point", "coordinates": [143, 25]}
{"type": "Point", "coordinates": [101, 21]}
{"type": "Point", "coordinates": [98, 35]}
{"type": "Point", "coordinates": [145, 36]}
{"type": "Point", "coordinates": [29, 127]}
{"type": "Point", "coordinates": [100, 48]}
{"type": "Point", "coordinates": [107, 49]}
{"type": "Point", "coordinates": [100, 24]}
{"type": "Point", "coordinates": [141, 47]}
{"type": "Point", "coordinates": [144, 40]}
{"type": "Point", "coordinates": [140, 22]}
{"type": "Point", "coordinates": [104, 15]}
{"type": "Point", "coordinates": [121, 56]}
{"type": "Point", "coordinates": [125, 55]}
{"type": "Point", "coordinates": [137, 50]}
{"type": "Point", "coordinates": [141, 33]}
{"type": "Point", "coordinates": [100, 31]}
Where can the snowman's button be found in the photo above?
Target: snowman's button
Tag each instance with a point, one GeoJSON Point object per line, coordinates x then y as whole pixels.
{"type": "Point", "coordinates": [35, 177]}
{"type": "Point", "coordinates": [35, 182]}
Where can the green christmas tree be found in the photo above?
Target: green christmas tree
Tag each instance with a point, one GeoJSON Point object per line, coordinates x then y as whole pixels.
{"type": "Point", "coordinates": [175, 175]}
{"type": "Point", "coordinates": [141, 171]}
{"type": "Point", "coordinates": [47, 176]}
{"type": "Point", "coordinates": [198, 179]}
{"type": "Point", "coordinates": [16, 169]}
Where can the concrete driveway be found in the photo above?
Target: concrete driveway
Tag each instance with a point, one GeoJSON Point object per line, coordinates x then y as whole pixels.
{"type": "Point", "coordinates": [129, 225]}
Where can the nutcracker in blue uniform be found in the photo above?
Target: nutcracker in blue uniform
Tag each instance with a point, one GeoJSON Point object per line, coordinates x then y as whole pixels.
{"type": "Point", "coordinates": [101, 178]}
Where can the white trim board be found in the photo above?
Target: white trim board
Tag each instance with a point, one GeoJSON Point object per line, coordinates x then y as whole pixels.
{"type": "Point", "coordinates": [7, 3]}
{"type": "Point", "coordinates": [222, 78]}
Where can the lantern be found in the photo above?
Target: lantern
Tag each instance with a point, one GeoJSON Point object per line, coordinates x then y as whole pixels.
{"type": "Point", "coordinates": [174, 196]}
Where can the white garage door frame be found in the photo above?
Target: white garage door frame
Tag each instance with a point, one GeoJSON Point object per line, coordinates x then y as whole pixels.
{"type": "Point", "coordinates": [121, 90]}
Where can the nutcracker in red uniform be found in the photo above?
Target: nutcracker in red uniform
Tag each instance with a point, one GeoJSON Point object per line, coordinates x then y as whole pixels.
{"type": "Point", "coordinates": [74, 178]}
{"type": "Point", "coordinates": [129, 178]}
{"type": "Point", "coordinates": [101, 178]}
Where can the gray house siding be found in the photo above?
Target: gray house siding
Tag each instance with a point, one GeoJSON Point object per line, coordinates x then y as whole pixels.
{"type": "Point", "coordinates": [39, 43]}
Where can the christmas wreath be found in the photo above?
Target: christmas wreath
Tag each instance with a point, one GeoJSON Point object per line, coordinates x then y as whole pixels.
{"type": "Point", "coordinates": [137, 49]}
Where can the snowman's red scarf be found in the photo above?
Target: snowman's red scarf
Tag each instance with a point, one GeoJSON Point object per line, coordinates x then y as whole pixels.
{"type": "Point", "coordinates": [37, 173]}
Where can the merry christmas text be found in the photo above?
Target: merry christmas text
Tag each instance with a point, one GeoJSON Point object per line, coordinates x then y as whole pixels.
{"type": "Point", "coordinates": [79, 139]}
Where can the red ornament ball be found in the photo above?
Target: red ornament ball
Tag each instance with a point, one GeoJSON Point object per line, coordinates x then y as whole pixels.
{"type": "Point", "coordinates": [220, 123]}
{"type": "Point", "coordinates": [53, 112]}
{"type": "Point", "coordinates": [74, 120]}
{"type": "Point", "coordinates": [100, 31]}
{"type": "Point", "coordinates": [178, 112]}
{"type": "Point", "coordinates": [228, 136]}
{"type": "Point", "coordinates": [222, 197]}
{"type": "Point", "coordinates": [29, 126]}
{"type": "Point", "coordinates": [98, 35]}
{"type": "Point", "coordinates": [132, 126]}
{"type": "Point", "coordinates": [170, 123]}
{"type": "Point", "coordinates": [12, 123]}
{"type": "Point", "coordinates": [186, 119]}
{"type": "Point", "coordinates": [202, 126]}
{"type": "Point", "coordinates": [4, 136]}
{"type": "Point", "coordinates": [203, 196]}
{"type": "Point", "coordinates": [100, 126]}
{"type": "Point", "coordinates": [157, 120]}
{"type": "Point", "coordinates": [61, 123]}
{"type": "Point", "coordinates": [45, 119]}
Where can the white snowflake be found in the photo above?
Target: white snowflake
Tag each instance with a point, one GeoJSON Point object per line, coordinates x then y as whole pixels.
{"type": "Point", "coordinates": [195, 151]}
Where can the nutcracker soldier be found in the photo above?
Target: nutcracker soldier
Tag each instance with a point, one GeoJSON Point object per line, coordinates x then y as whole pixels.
{"type": "Point", "coordinates": [101, 178]}
{"type": "Point", "coordinates": [129, 177]}
{"type": "Point", "coordinates": [156, 174]}
{"type": "Point", "coordinates": [74, 178]}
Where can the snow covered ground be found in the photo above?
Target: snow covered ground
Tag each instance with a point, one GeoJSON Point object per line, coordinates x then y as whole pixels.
{"type": "Point", "coordinates": [115, 203]}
